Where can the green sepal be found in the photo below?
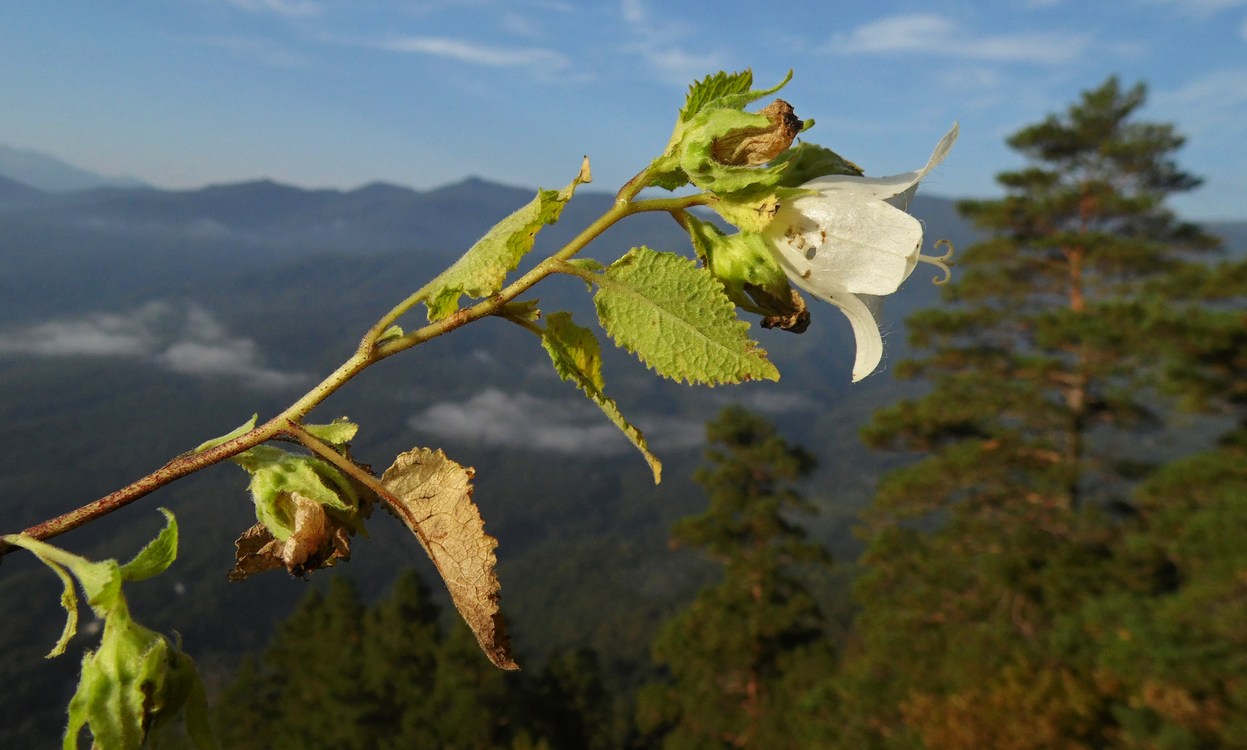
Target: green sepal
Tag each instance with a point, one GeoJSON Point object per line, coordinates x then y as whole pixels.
{"type": "Point", "coordinates": [337, 433]}
{"type": "Point", "coordinates": [157, 556]}
{"type": "Point", "coordinates": [484, 267]}
{"type": "Point", "coordinates": [704, 171]}
{"type": "Point", "coordinates": [276, 474]}
{"type": "Point", "coordinates": [806, 161]}
{"type": "Point", "coordinates": [134, 683]}
{"type": "Point", "coordinates": [677, 319]}
{"type": "Point", "coordinates": [718, 91]}
{"type": "Point", "coordinates": [744, 264]}
{"type": "Point", "coordinates": [577, 356]}
{"type": "Point", "coordinates": [242, 429]}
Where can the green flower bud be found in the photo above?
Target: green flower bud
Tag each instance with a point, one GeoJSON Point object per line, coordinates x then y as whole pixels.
{"type": "Point", "coordinates": [750, 275]}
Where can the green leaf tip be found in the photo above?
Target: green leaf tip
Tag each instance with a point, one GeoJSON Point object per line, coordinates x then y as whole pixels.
{"type": "Point", "coordinates": [157, 556]}
{"type": "Point", "coordinates": [337, 433]}
{"type": "Point", "coordinates": [725, 90]}
{"type": "Point", "coordinates": [577, 357]}
{"type": "Point", "coordinates": [484, 267]}
{"type": "Point", "coordinates": [239, 431]}
{"type": "Point", "coordinates": [678, 320]}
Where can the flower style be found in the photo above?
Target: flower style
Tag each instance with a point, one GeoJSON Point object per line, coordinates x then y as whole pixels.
{"type": "Point", "coordinates": [853, 237]}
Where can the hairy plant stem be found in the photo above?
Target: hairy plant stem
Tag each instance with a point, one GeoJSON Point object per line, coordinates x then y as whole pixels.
{"type": "Point", "coordinates": [371, 350]}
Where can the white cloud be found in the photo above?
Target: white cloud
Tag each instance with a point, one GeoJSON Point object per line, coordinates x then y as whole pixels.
{"type": "Point", "coordinates": [662, 47]}
{"type": "Point", "coordinates": [190, 342]}
{"type": "Point", "coordinates": [1199, 8]}
{"type": "Point", "coordinates": [477, 54]}
{"type": "Point", "coordinates": [936, 36]}
{"type": "Point", "coordinates": [1214, 102]}
{"type": "Point", "coordinates": [520, 420]}
{"type": "Point", "coordinates": [779, 402]}
{"type": "Point", "coordinates": [261, 50]}
{"type": "Point", "coordinates": [288, 8]}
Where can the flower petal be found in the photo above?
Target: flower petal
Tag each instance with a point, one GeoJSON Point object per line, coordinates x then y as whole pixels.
{"type": "Point", "coordinates": [861, 247]}
{"type": "Point", "coordinates": [882, 188]}
{"type": "Point", "coordinates": [861, 318]}
{"type": "Point", "coordinates": [865, 332]}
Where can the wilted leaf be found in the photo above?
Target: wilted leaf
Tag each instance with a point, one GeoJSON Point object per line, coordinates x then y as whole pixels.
{"type": "Point", "coordinates": [433, 496]}
{"type": "Point", "coordinates": [577, 357]}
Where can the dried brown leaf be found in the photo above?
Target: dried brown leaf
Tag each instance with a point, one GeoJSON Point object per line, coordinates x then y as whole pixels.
{"type": "Point", "coordinates": [433, 496]}
{"type": "Point", "coordinates": [319, 541]}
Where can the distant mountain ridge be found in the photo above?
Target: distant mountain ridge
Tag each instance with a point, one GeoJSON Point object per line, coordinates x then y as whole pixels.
{"type": "Point", "coordinates": [50, 174]}
{"type": "Point", "coordinates": [280, 279]}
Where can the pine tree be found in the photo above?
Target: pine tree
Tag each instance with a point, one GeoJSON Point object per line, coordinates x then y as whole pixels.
{"type": "Point", "coordinates": [1173, 645]}
{"type": "Point", "coordinates": [402, 637]}
{"type": "Point", "coordinates": [982, 554]}
{"type": "Point", "coordinates": [731, 652]}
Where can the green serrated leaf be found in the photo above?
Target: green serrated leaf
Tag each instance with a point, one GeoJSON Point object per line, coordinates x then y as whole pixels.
{"type": "Point", "coordinates": [157, 556]}
{"type": "Point", "coordinates": [337, 433]}
{"type": "Point", "coordinates": [242, 429]}
{"type": "Point", "coordinates": [713, 88]}
{"type": "Point", "coordinates": [739, 100]}
{"type": "Point", "coordinates": [677, 319]}
{"type": "Point", "coordinates": [484, 267]}
{"type": "Point", "coordinates": [577, 356]}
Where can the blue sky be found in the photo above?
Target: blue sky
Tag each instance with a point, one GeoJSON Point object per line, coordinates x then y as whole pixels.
{"type": "Point", "coordinates": [338, 93]}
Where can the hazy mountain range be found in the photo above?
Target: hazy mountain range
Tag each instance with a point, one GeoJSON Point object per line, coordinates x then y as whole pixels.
{"type": "Point", "coordinates": [136, 322]}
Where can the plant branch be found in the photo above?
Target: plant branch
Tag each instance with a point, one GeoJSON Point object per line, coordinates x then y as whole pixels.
{"type": "Point", "coordinates": [367, 353]}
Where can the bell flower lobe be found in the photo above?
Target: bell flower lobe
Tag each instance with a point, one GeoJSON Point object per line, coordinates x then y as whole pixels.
{"type": "Point", "coordinates": [851, 236]}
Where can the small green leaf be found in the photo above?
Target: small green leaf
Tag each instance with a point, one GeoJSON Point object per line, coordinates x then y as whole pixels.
{"type": "Point", "coordinates": [389, 334]}
{"type": "Point", "coordinates": [484, 267]}
{"type": "Point", "coordinates": [713, 88]}
{"type": "Point", "coordinates": [577, 357]}
{"type": "Point", "coordinates": [677, 319]}
{"type": "Point", "coordinates": [724, 90]}
{"type": "Point", "coordinates": [242, 429]}
{"type": "Point", "coordinates": [337, 433]}
{"type": "Point", "coordinates": [524, 311]}
{"type": "Point", "coordinates": [100, 581]}
{"type": "Point", "coordinates": [157, 556]}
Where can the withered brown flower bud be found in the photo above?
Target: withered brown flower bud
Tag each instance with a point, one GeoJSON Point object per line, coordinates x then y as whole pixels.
{"type": "Point", "coordinates": [750, 147]}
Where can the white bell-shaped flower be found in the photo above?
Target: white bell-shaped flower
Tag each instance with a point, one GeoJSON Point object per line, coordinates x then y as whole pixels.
{"type": "Point", "coordinates": [852, 238]}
